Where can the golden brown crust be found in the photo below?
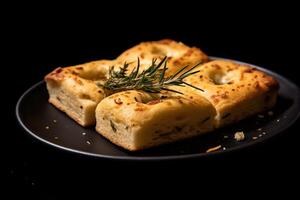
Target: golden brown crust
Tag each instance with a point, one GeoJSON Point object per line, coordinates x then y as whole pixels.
{"type": "Point", "coordinates": [74, 91]}
{"type": "Point", "coordinates": [178, 54]}
{"type": "Point", "coordinates": [237, 91]}
{"type": "Point", "coordinates": [79, 82]}
{"type": "Point", "coordinates": [137, 120]}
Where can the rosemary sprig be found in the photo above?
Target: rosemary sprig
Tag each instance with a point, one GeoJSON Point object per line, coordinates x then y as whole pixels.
{"type": "Point", "coordinates": [151, 80]}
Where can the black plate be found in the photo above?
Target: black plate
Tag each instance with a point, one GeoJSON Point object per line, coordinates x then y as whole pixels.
{"type": "Point", "coordinates": [37, 116]}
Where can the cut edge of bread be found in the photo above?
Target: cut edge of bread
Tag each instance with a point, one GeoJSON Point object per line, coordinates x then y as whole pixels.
{"type": "Point", "coordinates": [81, 110]}
{"type": "Point", "coordinates": [163, 120]}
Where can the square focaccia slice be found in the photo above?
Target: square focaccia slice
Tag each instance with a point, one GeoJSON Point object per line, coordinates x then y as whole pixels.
{"type": "Point", "coordinates": [177, 53]}
{"type": "Point", "coordinates": [74, 91]}
{"type": "Point", "coordinates": [236, 91]}
{"type": "Point", "coordinates": [137, 120]}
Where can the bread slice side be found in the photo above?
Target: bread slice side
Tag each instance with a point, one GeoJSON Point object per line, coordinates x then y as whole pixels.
{"type": "Point", "coordinates": [76, 96]}
{"type": "Point", "coordinates": [74, 89]}
{"type": "Point", "coordinates": [136, 120]}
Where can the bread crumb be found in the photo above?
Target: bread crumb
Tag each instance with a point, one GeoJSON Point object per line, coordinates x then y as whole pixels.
{"type": "Point", "coordinates": [213, 149]}
{"type": "Point", "coordinates": [239, 136]}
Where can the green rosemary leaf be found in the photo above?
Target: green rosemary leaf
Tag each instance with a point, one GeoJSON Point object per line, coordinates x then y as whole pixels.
{"type": "Point", "coordinates": [179, 71]}
{"type": "Point", "coordinates": [162, 75]}
{"type": "Point", "coordinates": [155, 68]}
{"type": "Point", "coordinates": [171, 90]}
{"type": "Point", "coordinates": [192, 68]}
{"type": "Point", "coordinates": [150, 80]}
{"type": "Point", "coordinates": [192, 86]}
{"type": "Point", "coordinates": [188, 74]}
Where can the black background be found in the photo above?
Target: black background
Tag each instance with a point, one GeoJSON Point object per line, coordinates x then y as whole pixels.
{"type": "Point", "coordinates": [38, 41]}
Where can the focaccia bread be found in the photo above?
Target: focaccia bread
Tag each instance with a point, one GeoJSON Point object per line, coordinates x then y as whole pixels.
{"type": "Point", "coordinates": [231, 92]}
{"type": "Point", "coordinates": [74, 89]}
{"type": "Point", "coordinates": [136, 120]}
{"type": "Point", "coordinates": [178, 55]}
{"type": "Point", "coordinates": [236, 91]}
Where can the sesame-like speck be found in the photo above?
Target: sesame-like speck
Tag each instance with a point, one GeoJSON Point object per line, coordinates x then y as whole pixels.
{"type": "Point", "coordinates": [54, 121]}
{"type": "Point", "coordinates": [56, 137]}
{"type": "Point", "coordinates": [47, 127]}
{"type": "Point", "coordinates": [254, 138]}
{"type": "Point", "coordinates": [278, 120]}
{"type": "Point", "coordinates": [83, 133]}
{"type": "Point", "coordinates": [260, 129]}
{"type": "Point", "coordinates": [270, 113]}
{"type": "Point", "coordinates": [260, 116]}
{"type": "Point", "coordinates": [88, 142]}
{"type": "Point", "coordinates": [264, 133]}
{"type": "Point", "coordinates": [32, 183]}
{"type": "Point", "coordinates": [225, 136]}
{"type": "Point", "coordinates": [224, 148]}
{"type": "Point", "coordinates": [239, 136]}
{"type": "Point", "coordinates": [259, 135]}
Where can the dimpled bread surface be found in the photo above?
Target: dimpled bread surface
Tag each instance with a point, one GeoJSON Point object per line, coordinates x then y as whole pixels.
{"type": "Point", "coordinates": [74, 89]}
{"type": "Point", "coordinates": [136, 120]}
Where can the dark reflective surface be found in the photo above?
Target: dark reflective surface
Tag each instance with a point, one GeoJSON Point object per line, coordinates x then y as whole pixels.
{"type": "Point", "coordinates": [50, 125]}
{"type": "Point", "coordinates": [36, 41]}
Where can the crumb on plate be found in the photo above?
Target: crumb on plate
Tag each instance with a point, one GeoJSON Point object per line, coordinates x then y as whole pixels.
{"type": "Point", "coordinates": [239, 136]}
{"type": "Point", "coordinates": [213, 149]}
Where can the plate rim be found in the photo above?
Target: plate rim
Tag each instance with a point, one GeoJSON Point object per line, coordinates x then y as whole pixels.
{"type": "Point", "coordinates": [169, 157]}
